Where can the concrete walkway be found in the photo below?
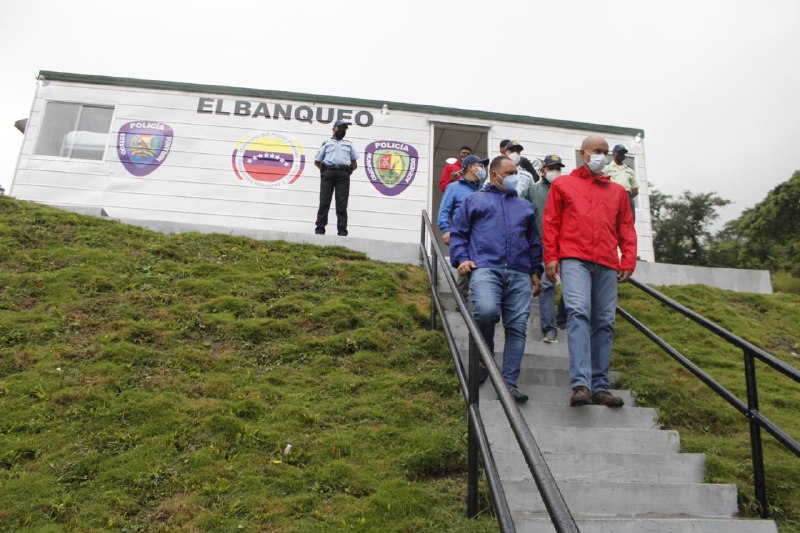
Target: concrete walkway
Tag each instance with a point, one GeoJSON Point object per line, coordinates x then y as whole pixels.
{"type": "Point", "coordinates": [618, 471]}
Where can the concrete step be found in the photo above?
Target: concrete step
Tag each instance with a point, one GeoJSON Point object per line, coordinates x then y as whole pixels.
{"type": "Point", "coordinates": [550, 394]}
{"type": "Point", "coordinates": [533, 346]}
{"type": "Point", "coordinates": [601, 467]}
{"type": "Point", "coordinates": [588, 440]}
{"type": "Point", "coordinates": [532, 377]}
{"type": "Point", "coordinates": [588, 416]}
{"type": "Point", "coordinates": [534, 331]}
{"type": "Point", "coordinates": [535, 523]}
{"type": "Point", "coordinates": [617, 499]}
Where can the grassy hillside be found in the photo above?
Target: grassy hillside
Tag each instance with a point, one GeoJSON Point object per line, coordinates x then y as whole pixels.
{"type": "Point", "coordinates": [706, 423]}
{"type": "Point", "coordinates": [152, 382]}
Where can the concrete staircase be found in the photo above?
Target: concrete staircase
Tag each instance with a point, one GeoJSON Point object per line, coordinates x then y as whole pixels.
{"type": "Point", "coordinates": [618, 471]}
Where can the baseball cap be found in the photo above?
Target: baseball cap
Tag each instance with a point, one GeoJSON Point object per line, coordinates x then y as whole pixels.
{"type": "Point", "coordinates": [514, 146]}
{"type": "Point", "coordinates": [553, 160]}
{"type": "Point", "coordinates": [342, 123]}
{"type": "Point", "coordinates": [504, 143]}
{"type": "Point", "coordinates": [470, 159]}
{"type": "Point", "coordinates": [619, 148]}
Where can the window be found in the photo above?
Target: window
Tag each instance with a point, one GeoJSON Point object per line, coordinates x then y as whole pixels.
{"type": "Point", "coordinates": [74, 131]}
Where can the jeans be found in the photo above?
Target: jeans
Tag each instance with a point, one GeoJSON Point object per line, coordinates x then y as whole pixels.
{"type": "Point", "coordinates": [331, 180]}
{"type": "Point", "coordinates": [547, 298]}
{"type": "Point", "coordinates": [505, 292]}
{"type": "Point", "coordinates": [590, 296]}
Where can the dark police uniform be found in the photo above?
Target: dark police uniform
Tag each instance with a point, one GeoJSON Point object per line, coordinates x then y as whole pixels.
{"type": "Point", "coordinates": [335, 159]}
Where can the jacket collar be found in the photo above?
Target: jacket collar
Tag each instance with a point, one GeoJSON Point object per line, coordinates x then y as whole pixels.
{"type": "Point", "coordinates": [491, 188]}
{"type": "Point", "coordinates": [474, 185]}
{"type": "Point", "coordinates": [583, 172]}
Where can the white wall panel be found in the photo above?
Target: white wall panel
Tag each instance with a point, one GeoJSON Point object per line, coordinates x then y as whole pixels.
{"type": "Point", "coordinates": [196, 182]}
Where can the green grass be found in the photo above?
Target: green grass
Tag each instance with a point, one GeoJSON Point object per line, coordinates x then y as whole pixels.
{"type": "Point", "coordinates": [706, 423]}
{"type": "Point", "coordinates": [152, 383]}
{"type": "Point", "coordinates": [785, 282]}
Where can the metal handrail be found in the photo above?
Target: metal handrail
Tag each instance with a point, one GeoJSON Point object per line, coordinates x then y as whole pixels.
{"type": "Point", "coordinates": [557, 509]}
{"type": "Point", "coordinates": [750, 410]}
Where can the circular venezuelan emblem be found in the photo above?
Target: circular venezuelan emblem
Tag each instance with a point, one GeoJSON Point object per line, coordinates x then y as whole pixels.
{"type": "Point", "coordinates": [268, 159]}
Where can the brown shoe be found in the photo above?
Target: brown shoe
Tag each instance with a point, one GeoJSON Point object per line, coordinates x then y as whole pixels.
{"type": "Point", "coordinates": [607, 399]}
{"type": "Point", "coordinates": [580, 396]}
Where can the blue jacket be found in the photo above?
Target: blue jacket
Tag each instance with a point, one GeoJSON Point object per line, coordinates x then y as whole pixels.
{"type": "Point", "coordinates": [454, 195]}
{"type": "Point", "coordinates": [496, 230]}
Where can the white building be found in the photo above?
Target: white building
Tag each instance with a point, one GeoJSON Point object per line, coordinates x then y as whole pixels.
{"type": "Point", "coordinates": [243, 158]}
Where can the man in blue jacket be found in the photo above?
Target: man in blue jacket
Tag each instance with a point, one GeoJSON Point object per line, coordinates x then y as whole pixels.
{"type": "Point", "coordinates": [474, 173]}
{"type": "Point", "coordinates": [494, 240]}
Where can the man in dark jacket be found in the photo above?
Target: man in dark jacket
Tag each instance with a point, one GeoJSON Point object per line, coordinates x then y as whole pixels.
{"type": "Point", "coordinates": [494, 239]}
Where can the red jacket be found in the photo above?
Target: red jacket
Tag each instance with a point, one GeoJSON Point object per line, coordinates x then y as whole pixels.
{"type": "Point", "coordinates": [444, 181]}
{"type": "Point", "coordinates": [587, 217]}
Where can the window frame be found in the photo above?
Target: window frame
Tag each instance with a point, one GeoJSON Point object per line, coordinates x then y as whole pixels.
{"type": "Point", "coordinates": [82, 103]}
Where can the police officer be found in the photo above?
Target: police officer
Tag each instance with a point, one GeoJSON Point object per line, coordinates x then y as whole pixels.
{"type": "Point", "coordinates": [337, 160]}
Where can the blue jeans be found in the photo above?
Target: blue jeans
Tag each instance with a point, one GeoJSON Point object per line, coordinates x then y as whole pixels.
{"type": "Point", "coordinates": [590, 295]}
{"type": "Point", "coordinates": [547, 298]}
{"type": "Point", "coordinates": [505, 292]}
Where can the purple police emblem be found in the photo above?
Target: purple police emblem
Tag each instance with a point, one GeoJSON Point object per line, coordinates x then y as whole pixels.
{"type": "Point", "coordinates": [390, 165]}
{"type": "Point", "coordinates": [143, 146]}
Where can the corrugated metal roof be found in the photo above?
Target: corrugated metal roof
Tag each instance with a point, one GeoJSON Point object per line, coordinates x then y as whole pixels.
{"type": "Point", "coordinates": [336, 100]}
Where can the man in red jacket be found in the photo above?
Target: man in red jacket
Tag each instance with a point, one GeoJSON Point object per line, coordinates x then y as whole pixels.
{"type": "Point", "coordinates": [452, 171]}
{"type": "Point", "coordinates": [587, 218]}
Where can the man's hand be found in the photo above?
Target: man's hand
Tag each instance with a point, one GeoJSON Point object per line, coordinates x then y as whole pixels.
{"type": "Point", "coordinates": [536, 279]}
{"type": "Point", "coordinates": [623, 275]}
{"type": "Point", "coordinates": [446, 238]}
{"type": "Point", "coordinates": [466, 267]}
{"type": "Point", "coordinates": [552, 269]}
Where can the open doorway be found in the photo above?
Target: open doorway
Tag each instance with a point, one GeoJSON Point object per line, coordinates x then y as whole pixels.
{"type": "Point", "coordinates": [447, 140]}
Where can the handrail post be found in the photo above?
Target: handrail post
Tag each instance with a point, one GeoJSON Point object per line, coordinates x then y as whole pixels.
{"type": "Point", "coordinates": [472, 437]}
{"type": "Point", "coordinates": [759, 480]}
{"type": "Point", "coordinates": [434, 283]}
{"type": "Point", "coordinates": [422, 237]}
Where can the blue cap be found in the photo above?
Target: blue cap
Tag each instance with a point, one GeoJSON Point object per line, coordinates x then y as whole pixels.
{"type": "Point", "coordinates": [470, 159]}
{"type": "Point", "coordinates": [619, 148]}
{"type": "Point", "coordinates": [514, 146]}
{"type": "Point", "coordinates": [552, 160]}
{"type": "Point", "coordinates": [342, 123]}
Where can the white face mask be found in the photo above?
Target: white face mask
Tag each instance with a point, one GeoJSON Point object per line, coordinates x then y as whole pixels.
{"type": "Point", "coordinates": [596, 163]}
{"type": "Point", "coordinates": [552, 174]}
{"type": "Point", "coordinates": [515, 157]}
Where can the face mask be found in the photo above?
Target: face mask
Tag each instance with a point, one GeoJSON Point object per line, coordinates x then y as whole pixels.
{"type": "Point", "coordinates": [511, 182]}
{"type": "Point", "coordinates": [596, 163]}
{"type": "Point", "coordinates": [481, 173]}
{"type": "Point", "coordinates": [515, 157]}
{"type": "Point", "coordinates": [339, 134]}
{"type": "Point", "coordinates": [552, 174]}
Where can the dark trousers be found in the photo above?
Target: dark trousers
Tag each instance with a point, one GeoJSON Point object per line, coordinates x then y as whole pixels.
{"type": "Point", "coordinates": [330, 180]}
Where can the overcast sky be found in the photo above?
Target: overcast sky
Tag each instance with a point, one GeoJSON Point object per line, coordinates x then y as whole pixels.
{"type": "Point", "coordinates": [714, 84]}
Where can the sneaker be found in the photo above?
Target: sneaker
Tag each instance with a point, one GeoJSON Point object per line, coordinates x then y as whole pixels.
{"type": "Point", "coordinates": [550, 337]}
{"type": "Point", "coordinates": [607, 399]}
{"type": "Point", "coordinates": [483, 373]}
{"type": "Point", "coordinates": [518, 396]}
{"type": "Point", "coordinates": [580, 396]}
{"type": "Point", "coordinates": [319, 231]}
{"type": "Point", "coordinates": [342, 234]}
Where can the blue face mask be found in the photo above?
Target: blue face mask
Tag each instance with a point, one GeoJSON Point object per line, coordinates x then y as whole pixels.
{"type": "Point", "coordinates": [511, 182]}
{"type": "Point", "coordinates": [597, 162]}
{"type": "Point", "coordinates": [481, 173]}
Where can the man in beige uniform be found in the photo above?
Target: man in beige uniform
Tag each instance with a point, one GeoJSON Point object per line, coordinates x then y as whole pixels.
{"type": "Point", "coordinates": [621, 173]}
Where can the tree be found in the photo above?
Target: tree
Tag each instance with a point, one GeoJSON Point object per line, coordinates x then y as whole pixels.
{"type": "Point", "coordinates": [680, 226]}
{"type": "Point", "coordinates": [765, 236]}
